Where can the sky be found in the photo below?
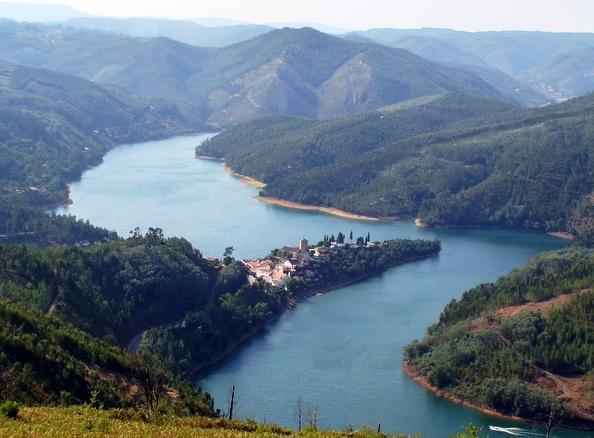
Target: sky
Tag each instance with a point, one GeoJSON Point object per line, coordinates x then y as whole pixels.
{"type": "Point", "coordinates": [472, 15]}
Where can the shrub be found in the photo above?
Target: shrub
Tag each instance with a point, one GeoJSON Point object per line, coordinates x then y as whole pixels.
{"type": "Point", "coordinates": [9, 409]}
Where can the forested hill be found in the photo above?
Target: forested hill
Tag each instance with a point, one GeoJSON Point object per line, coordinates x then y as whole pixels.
{"type": "Point", "coordinates": [451, 160]}
{"type": "Point", "coordinates": [67, 315]}
{"type": "Point", "coordinates": [522, 346]}
{"type": "Point", "coordinates": [52, 127]}
{"type": "Point", "coordinates": [294, 72]}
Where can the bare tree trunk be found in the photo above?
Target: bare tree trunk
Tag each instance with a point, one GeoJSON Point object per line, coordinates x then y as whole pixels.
{"type": "Point", "coordinates": [299, 412]}
{"type": "Point", "coordinates": [232, 403]}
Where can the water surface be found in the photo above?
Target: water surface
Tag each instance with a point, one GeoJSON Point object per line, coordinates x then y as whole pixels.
{"type": "Point", "coordinates": [340, 352]}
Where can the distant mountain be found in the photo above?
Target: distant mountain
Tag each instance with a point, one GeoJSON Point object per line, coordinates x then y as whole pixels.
{"type": "Point", "coordinates": [565, 76]}
{"type": "Point", "coordinates": [38, 12]}
{"type": "Point", "coordinates": [52, 126]}
{"type": "Point", "coordinates": [149, 67]}
{"type": "Point", "coordinates": [437, 50]}
{"type": "Point", "coordinates": [512, 52]}
{"type": "Point", "coordinates": [331, 30]}
{"type": "Point", "coordinates": [298, 72]}
{"type": "Point", "coordinates": [185, 31]}
{"type": "Point", "coordinates": [309, 74]}
{"type": "Point", "coordinates": [216, 21]}
{"type": "Point", "coordinates": [450, 160]}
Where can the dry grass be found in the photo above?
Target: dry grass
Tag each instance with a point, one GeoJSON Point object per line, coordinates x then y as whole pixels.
{"type": "Point", "coordinates": [83, 421]}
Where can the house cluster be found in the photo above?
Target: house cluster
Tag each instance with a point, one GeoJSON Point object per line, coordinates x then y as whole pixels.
{"type": "Point", "coordinates": [278, 270]}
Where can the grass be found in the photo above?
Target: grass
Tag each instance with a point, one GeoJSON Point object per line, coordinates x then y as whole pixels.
{"type": "Point", "coordinates": [84, 421]}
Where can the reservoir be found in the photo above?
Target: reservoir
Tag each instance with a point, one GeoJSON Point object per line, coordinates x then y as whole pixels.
{"type": "Point", "coordinates": [340, 353]}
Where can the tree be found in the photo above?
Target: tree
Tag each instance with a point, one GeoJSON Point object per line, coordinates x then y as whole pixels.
{"type": "Point", "coordinates": [340, 238]}
{"type": "Point", "coordinates": [227, 259]}
{"type": "Point", "coordinates": [232, 403]}
{"type": "Point", "coordinates": [151, 380]}
{"type": "Point", "coordinates": [351, 236]}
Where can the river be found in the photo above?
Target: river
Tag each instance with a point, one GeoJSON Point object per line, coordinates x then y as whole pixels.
{"type": "Point", "coordinates": [340, 353]}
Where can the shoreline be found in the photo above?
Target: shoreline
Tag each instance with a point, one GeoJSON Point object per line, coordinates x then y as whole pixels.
{"type": "Point", "coordinates": [299, 296]}
{"type": "Point", "coordinates": [326, 210]}
{"type": "Point", "coordinates": [244, 178]}
{"type": "Point", "coordinates": [209, 158]}
{"type": "Point", "coordinates": [562, 235]}
{"type": "Point", "coordinates": [420, 380]}
{"type": "Point", "coordinates": [220, 357]}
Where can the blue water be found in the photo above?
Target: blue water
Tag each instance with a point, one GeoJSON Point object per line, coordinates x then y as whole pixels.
{"type": "Point", "coordinates": [340, 352]}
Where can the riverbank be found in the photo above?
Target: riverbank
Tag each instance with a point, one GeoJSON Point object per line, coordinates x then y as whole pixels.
{"type": "Point", "coordinates": [420, 380]}
{"type": "Point", "coordinates": [301, 293]}
{"type": "Point", "coordinates": [326, 210]}
{"type": "Point", "coordinates": [221, 356]}
{"type": "Point", "coordinates": [245, 179]}
{"type": "Point", "coordinates": [562, 235]}
{"type": "Point", "coordinates": [580, 424]}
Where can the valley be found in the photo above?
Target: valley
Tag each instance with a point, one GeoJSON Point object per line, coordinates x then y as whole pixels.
{"type": "Point", "coordinates": [294, 345]}
{"type": "Point", "coordinates": [177, 197]}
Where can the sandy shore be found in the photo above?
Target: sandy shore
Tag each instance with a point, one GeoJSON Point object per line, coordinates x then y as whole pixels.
{"type": "Point", "coordinates": [208, 158]}
{"type": "Point", "coordinates": [419, 223]}
{"type": "Point", "coordinates": [327, 210]}
{"type": "Point", "coordinates": [245, 179]}
{"type": "Point", "coordinates": [562, 235]}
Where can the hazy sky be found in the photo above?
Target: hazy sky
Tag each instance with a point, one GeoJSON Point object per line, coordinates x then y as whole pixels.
{"type": "Point", "coordinates": [552, 15]}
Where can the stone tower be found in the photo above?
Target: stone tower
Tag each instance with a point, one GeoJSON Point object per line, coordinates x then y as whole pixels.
{"type": "Point", "coordinates": [303, 245]}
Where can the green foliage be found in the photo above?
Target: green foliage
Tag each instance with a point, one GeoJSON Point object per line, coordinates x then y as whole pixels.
{"type": "Point", "coordinates": [470, 431]}
{"type": "Point", "coordinates": [9, 409]}
{"type": "Point", "coordinates": [545, 276]}
{"type": "Point", "coordinates": [52, 127]}
{"type": "Point", "coordinates": [453, 160]}
{"type": "Point", "coordinates": [479, 355]}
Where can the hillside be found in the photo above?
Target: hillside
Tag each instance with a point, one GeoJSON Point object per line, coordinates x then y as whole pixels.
{"type": "Point", "coordinates": [564, 76]}
{"type": "Point", "coordinates": [296, 72]}
{"type": "Point", "coordinates": [440, 51]}
{"type": "Point", "coordinates": [557, 66]}
{"type": "Point", "coordinates": [148, 67]}
{"type": "Point", "coordinates": [521, 347]}
{"type": "Point", "coordinates": [52, 126]}
{"type": "Point", "coordinates": [512, 52]}
{"type": "Point", "coordinates": [452, 160]}
{"type": "Point", "coordinates": [75, 308]}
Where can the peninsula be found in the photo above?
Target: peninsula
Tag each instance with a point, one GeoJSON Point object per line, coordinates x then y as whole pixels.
{"type": "Point", "coordinates": [249, 294]}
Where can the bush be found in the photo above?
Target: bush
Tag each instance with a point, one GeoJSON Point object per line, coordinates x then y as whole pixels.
{"type": "Point", "coordinates": [9, 409]}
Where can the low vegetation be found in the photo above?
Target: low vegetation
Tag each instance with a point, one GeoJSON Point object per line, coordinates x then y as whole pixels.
{"type": "Point", "coordinates": [75, 421]}
{"type": "Point", "coordinates": [522, 346]}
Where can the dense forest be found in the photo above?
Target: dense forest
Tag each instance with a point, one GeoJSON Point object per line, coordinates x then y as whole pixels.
{"type": "Point", "coordinates": [68, 314]}
{"type": "Point", "coordinates": [451, 160]}
{"type": "Point", "coordinates": [523, 345]}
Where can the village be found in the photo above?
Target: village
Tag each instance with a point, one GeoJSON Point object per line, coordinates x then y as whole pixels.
{"type": "Point", "coordinates": [304, 263]}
